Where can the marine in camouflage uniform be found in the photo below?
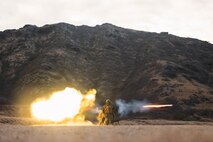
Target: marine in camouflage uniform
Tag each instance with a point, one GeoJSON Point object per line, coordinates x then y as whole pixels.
{"type": "Point", "coordinates": [108, 112]}
{"type": "Point", "coordinates": [105, 116]}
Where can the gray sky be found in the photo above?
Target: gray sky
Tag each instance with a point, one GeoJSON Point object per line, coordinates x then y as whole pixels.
{"type": "Point", "coordinates": [187, 18]}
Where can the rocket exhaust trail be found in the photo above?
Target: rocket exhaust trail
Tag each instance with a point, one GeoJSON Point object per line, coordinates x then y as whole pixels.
{"type": "Point", "coordinates": [137, 106]}
{"type": "Point", "coordinates": [157, 106]}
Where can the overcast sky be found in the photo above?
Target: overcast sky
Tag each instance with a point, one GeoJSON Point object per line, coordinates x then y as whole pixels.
{"type": "Point", "coordinates": [187, 18]}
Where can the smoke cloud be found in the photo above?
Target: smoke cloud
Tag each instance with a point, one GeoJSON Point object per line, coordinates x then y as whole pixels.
{"type": "Point", "coordinates": [133, 106]}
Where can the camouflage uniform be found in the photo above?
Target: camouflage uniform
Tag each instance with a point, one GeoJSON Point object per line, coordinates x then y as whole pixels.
{"type": "Point", "coordinates": [100, 118]}
{"type": "Point", "coordinates": [107, 113]}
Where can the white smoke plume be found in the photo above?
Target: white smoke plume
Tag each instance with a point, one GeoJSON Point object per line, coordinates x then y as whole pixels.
{"type": "Point", "coordinates": [133, 106]}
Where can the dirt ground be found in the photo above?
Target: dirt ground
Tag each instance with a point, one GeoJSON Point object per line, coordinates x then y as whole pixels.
{"type": "Point", "coordinates": [21, 129]}
{"type": "Point", "coordinates": [119, 133]}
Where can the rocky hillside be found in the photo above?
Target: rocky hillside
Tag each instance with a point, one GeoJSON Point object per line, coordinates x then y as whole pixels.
{"type": "Point", "coordinates": [118, 62]}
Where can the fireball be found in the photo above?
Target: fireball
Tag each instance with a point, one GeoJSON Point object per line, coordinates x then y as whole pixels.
{"type": "Point", "coordinates": [67, 104]}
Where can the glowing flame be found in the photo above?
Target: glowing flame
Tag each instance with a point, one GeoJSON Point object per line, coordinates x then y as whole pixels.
{"type": "Point", "coordinates": [66, 104]}
{"type": "Point", "coordinates": [157, 106]}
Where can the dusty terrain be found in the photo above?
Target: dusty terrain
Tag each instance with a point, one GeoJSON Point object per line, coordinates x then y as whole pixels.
{"type": "Point", "coordinates": [121, 133]}
{"type": "Point", "coordinates": [14, 127]}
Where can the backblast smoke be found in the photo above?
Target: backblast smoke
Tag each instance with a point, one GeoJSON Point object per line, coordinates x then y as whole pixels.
{"type": "Point", "coordinates": [133, 106]}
